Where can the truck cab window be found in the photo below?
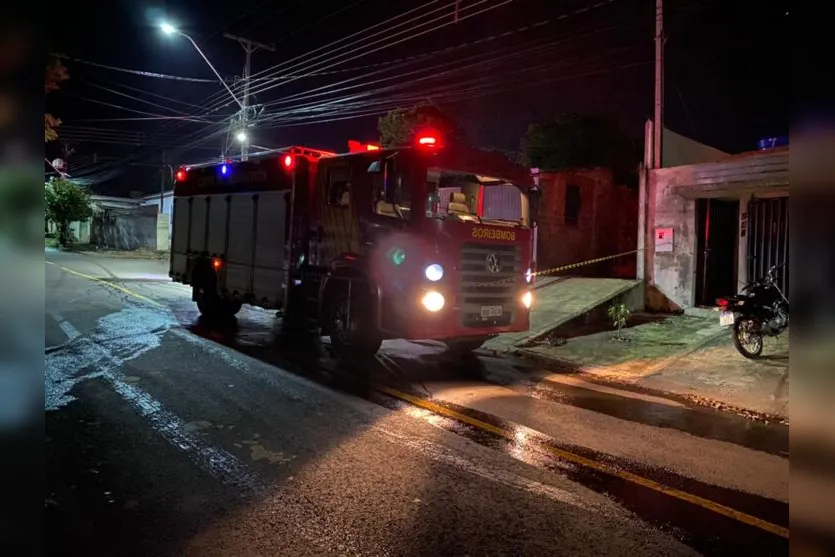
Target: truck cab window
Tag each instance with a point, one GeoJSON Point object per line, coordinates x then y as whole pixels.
{"type": "Point", "coordinates": [393, 195]}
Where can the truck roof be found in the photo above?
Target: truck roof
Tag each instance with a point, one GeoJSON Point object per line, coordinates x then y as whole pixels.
{"type": "Point", "coordinates": [456, 158]}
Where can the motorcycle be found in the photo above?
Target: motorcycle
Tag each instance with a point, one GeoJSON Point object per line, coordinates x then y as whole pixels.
{"type": "Point", "coordinates": [761, 310]}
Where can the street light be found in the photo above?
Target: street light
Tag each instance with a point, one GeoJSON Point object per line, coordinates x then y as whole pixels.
{"type": "Point", "coordinates": [241, 136]}
{"type": "Point", "coordinates": [169, 29]}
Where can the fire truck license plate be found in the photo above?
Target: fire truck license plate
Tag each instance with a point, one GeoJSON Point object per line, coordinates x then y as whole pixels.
{"type": "Point", "coordinates": [491, 311]}
{"type": "Point", "coordinates": [726, 318]}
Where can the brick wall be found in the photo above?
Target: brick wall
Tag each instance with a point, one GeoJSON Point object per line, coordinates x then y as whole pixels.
{"type": "Point", "coordinates": [606, 223]}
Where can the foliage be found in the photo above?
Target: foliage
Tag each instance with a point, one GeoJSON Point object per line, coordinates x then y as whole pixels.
{"type": "Point", "coordinates": [397, 128]}
{"type": "Point", "coordinates": [619, 314]}
{"type": "Point", "coordinates": [54, 75]}
{"type": "Point", "coordinates": [66, 203]}
{"type": "Point", "coordinates": [576, 141]}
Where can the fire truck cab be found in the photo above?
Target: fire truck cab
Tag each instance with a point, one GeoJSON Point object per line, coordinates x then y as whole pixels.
{"type": "Point", "coordinates": [430, 241]}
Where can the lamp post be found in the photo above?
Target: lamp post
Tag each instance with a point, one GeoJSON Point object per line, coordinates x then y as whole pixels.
{"type": "Point", "coordinates": [169, 29]}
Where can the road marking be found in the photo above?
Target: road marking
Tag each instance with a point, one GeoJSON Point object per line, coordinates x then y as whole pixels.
{"type": "Point", "coordinates": [107, 353]}
{"type": "Point", "coordinates": [111, 285]}
{"type": "Point", "coordinates": [559, 453]}
{"type": "Point", "coordinates": [71, 332]}
{"type": "Point", "coordinates": [594, 465]}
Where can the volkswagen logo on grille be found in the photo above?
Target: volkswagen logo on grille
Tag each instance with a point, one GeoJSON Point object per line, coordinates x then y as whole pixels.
{"type": "Point", "coordinates": [493, 263]}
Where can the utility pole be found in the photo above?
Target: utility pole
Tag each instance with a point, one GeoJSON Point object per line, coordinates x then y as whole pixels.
{"type": "Point", "coordinates": [658, 118]}
{"type": "Point", "coordinates": [249, 46]}
{"type": "Point", "coordinates": [162, 183]}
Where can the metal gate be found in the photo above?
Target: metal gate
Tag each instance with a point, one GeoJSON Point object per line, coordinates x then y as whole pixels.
{"type": "Point", "coordinates": [768, 239]}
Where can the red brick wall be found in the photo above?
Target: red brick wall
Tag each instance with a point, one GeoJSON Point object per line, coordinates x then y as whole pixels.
{"type": "Point", "coordinates": [607, 223]}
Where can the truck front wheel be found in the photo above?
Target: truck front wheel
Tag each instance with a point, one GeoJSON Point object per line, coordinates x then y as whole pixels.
{"type": "Point", "coordinates": [351, 331]}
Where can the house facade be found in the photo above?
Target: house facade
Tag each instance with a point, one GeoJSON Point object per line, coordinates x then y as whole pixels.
{"type": "Point", "coordinates": [710, 227]}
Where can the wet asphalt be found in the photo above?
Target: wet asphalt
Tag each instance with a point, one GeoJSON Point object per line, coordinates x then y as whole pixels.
{"type": "Point", "coordinates": [168, 435]}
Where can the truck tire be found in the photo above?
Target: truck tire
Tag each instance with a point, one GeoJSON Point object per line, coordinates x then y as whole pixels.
{"type": "Point", "coordinates": [353, 336]}
{"type": "Point", "coordinates": [212, 306]}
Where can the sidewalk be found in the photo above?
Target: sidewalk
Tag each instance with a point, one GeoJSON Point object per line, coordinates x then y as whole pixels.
{"type": "Point", "coordinates": [687, 355]}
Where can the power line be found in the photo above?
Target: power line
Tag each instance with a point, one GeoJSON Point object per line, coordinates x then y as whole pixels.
{"type": "Point", "coordinates": [113, 91]}
{"type": "Point", "coordinates": [484, 92]}
{"type": "Point", "coordinates": [136, 72]}
{"type": "Point", "coordinates": [492, 60]}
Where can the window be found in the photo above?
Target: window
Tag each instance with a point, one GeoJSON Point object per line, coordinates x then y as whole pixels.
{"type": "Point", "coordinates": [572, 205]}
{"type": "Point", "coordinates": [339, 194]}
{"type": "Point", "coordinates": [401, 196]}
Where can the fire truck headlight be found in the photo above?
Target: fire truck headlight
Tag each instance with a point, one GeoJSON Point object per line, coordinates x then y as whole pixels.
{"type": "Point", "coordinates": [529, 275]}
{"type": "Point", "coordinates": [433, 301]}
{"type": "Point", "coordinates": [434, 272]}
{"type": "Point", "coordinates": [527, 299]}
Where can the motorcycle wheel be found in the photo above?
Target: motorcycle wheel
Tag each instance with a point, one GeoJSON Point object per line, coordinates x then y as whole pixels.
{"type": "Point", "coordinates": [747, 342]}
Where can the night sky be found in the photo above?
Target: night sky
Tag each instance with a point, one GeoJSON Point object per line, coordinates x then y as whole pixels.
{"type": "Point", "coordinates": [518, 62]}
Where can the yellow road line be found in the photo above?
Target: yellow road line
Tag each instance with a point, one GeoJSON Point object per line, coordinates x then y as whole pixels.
{"type": "Point", "coordinates": [597, 466]}
{"type": "Point", "coordinates": [111, 285]}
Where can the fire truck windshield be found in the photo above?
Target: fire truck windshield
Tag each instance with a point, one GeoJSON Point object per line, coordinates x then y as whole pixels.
{"type": "Point", "coordinates": [474, 198]}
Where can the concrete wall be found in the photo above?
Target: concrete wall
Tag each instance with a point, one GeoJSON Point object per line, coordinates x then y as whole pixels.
{"type": "Point", "coordinates": [671, 204]}
{"type": "Point", "coordinates": [167, 208]}
{"type": "Point", "coordinates": [680, 150]}
{"type": "Point", "coordinates": [607, 223]}
{"type": "Point", "coordinates": [673, 274]}
{"type": "Point", "coordinates": [125, 231]}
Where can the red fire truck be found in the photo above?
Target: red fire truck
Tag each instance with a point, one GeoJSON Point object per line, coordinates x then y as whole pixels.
{"type": "Point", "coordinates": [430, 241]}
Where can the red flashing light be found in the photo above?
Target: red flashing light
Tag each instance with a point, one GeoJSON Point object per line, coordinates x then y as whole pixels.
{"type": "Point", "coordinates": [180, 175]}
{"type": "Point", "coordinates": [288, 161]}
{"type": "Point", "coordinates": [427, 140]}
{"type": "Point", "coordinates": [216, 263]}
{"type": "Point", "coordinates": [372, 147]}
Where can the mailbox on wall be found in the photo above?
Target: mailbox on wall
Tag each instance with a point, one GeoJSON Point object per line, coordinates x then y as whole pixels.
{"type": "Point", "coordinates": [663, 240]}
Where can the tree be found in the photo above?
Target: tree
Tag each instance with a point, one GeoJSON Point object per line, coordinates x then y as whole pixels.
{"type": "Point", "coordinates": [55, 74]}
{"type": "Point", "coordinates": [397, 128]}
{"type": "Point", "coordinates": [575, 141]}
{"type": "Point", "coordinates": [66, 203]}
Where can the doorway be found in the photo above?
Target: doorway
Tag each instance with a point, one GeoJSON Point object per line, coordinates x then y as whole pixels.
{"type": "Point", "coordinates": [716, 249]}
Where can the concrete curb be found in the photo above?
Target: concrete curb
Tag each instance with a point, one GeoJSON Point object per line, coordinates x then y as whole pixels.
{"type": "Point", "coordinates": [588, 373]}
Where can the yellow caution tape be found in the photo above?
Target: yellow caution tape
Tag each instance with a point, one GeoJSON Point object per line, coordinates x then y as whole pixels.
{"type": "Point", "coordinates": [563, 267]}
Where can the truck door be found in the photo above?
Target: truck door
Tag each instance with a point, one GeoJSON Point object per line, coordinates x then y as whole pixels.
{"type": "Point", "coordinates": [338, 221]}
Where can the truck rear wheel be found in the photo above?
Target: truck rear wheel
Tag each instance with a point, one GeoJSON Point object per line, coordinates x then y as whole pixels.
{"type": "Point", "coordinates": [213, 306]}
{"type": "Point", "coordinates": [353, 336]}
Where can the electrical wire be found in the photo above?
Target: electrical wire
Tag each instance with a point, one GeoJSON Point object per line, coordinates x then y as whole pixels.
{"type": "Point", "coordinates": [484, 93]}
{"type": "Point", "coordinates": [195, 139]}
{"type": "Point", "coordinates": [115, 92]}
{"type": "Point", "coordinates": [339, 59]}
{"type": "Point", "coordinates": [135, 72]}
{"type": "Point", "coordinates": [493, 59]}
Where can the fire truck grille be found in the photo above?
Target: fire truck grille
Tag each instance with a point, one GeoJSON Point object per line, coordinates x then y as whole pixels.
{"type": "Point", "coordinates": [479, 301]}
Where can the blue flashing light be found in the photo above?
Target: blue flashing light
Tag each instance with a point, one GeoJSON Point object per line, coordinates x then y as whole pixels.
{"type": "Point", "coordinates": [224, 170]}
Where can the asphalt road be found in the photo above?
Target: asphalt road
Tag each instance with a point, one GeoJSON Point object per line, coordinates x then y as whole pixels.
{"type": "Point", "coordinates": [166, 435]}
